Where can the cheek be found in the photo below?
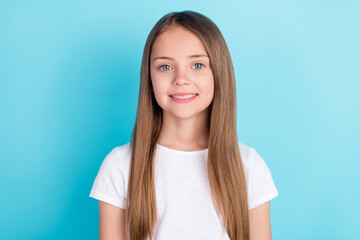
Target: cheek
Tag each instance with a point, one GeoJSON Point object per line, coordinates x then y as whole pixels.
{"type": "Point", "coordinates": [154, 82]}
{"type": "Point", "coordinates": [211, 93]}
{"type": "Point", "coordinates": [160, 91]}
{"type": "Point", "coordinates": [207, 86]}
{"type": "Point", "coordinates": [158, 87]}
{"type": "Point", "coordinates": [159, 97]}
{"type": "Point", "coordinates": [159, 83]}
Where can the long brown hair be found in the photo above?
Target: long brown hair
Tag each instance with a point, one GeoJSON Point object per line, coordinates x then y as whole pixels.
{"type": "Point", "coordinates": [224, 166]}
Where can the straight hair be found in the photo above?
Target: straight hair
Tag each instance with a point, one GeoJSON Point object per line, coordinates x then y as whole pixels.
{"type": "Point", "coordinates": [224, 164]}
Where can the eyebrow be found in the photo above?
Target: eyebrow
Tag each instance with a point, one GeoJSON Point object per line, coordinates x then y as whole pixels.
{"type": "Point", "coordinates": [191, 56]}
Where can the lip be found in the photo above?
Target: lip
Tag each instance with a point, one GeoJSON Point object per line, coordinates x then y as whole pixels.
{"type": "Point", "coordinates": [183, 100]}
{"type": "Point", "coordinates": [183, 94]}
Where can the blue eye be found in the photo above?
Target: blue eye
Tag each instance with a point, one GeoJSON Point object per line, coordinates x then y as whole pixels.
{"type": "Point", "coordinates": [199, 64]}
{"type": "Point", "coordinates": [167, 67]}
{"type": "Point", "coordinates": [161, 67]}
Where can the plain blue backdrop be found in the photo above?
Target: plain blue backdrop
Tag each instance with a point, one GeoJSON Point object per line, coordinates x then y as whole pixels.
{"type": "Point", "coordinates": [69, 79]}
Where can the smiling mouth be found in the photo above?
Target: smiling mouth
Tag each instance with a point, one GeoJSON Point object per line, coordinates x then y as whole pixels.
{"type": "Point", "coordinates": [183, 99]}
{"type": "Point", "coordinates": [184, 96]}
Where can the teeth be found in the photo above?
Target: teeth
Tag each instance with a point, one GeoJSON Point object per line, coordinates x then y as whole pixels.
{"type": "Point", "coordinates": [183, 97]}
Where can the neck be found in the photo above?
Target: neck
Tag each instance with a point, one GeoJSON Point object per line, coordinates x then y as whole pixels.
{"type": "Point", "coordinates": [189, 134]}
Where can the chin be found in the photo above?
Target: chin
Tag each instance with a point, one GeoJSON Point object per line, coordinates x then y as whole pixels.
{"type": "Point", "coordinates": [187, 114]}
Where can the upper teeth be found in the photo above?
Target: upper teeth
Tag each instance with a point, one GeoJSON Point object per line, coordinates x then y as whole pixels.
{"type": "Point", "coordinates": [183, 97]}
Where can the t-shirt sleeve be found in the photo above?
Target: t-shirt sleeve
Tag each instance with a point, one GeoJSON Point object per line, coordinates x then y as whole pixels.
{"type": "Point", "coordinates": [109, 184]}
{"type": "Point", "coordinates": [261, 185]}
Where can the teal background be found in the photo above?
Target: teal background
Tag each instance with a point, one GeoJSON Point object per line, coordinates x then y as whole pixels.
{"type": "Point", "coordinates": [69, 78]}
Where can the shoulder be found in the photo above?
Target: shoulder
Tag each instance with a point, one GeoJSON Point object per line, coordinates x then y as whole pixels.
{"type": "Point", "coordinates": [244, 150]}
{"type": "Point", "coordinates": [118, 158]}
{"type": "Point", "coordinates": [110, 184]}
{"type": "Point", "coordinates": [123, 151]}
{"type": "Point", "coordinates": [253, 163]}
{"type": "Point", "coordinates": [261, 187]}
{"type": "Point", "coordinates": [249, 155]}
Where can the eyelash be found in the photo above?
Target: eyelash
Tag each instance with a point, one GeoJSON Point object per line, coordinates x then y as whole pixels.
{"type": "Point", "coordinates": [194, 64]}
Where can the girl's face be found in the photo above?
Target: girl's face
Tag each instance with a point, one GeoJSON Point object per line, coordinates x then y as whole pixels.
{"type": "Point", "coordinates": [179, 65]}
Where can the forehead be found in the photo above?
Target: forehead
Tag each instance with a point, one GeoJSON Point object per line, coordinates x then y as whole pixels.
{"type": "Point", "coordinates": [177, 41]}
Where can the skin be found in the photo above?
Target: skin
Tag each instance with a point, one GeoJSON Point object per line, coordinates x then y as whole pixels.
{"type": "Point", "coordinates": [112, 222]}
{"type": "Point", "coordinates": [260, 226]}
{"type": "Point", "coordinates": [184, 125]}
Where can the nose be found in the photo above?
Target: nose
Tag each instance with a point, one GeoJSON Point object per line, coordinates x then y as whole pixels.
{"type": "Point", "coordinates": [181, 77]}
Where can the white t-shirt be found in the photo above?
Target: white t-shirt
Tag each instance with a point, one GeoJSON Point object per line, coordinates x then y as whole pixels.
{"type": "Point", "coordinates": [184, 206]}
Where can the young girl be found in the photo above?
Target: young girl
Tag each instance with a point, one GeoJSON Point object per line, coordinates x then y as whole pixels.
{"type": "Point", "coordinates": [184, 175]}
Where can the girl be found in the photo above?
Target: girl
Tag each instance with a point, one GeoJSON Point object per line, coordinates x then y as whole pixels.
{"type": "Point", "coordinates": [184, 175]}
